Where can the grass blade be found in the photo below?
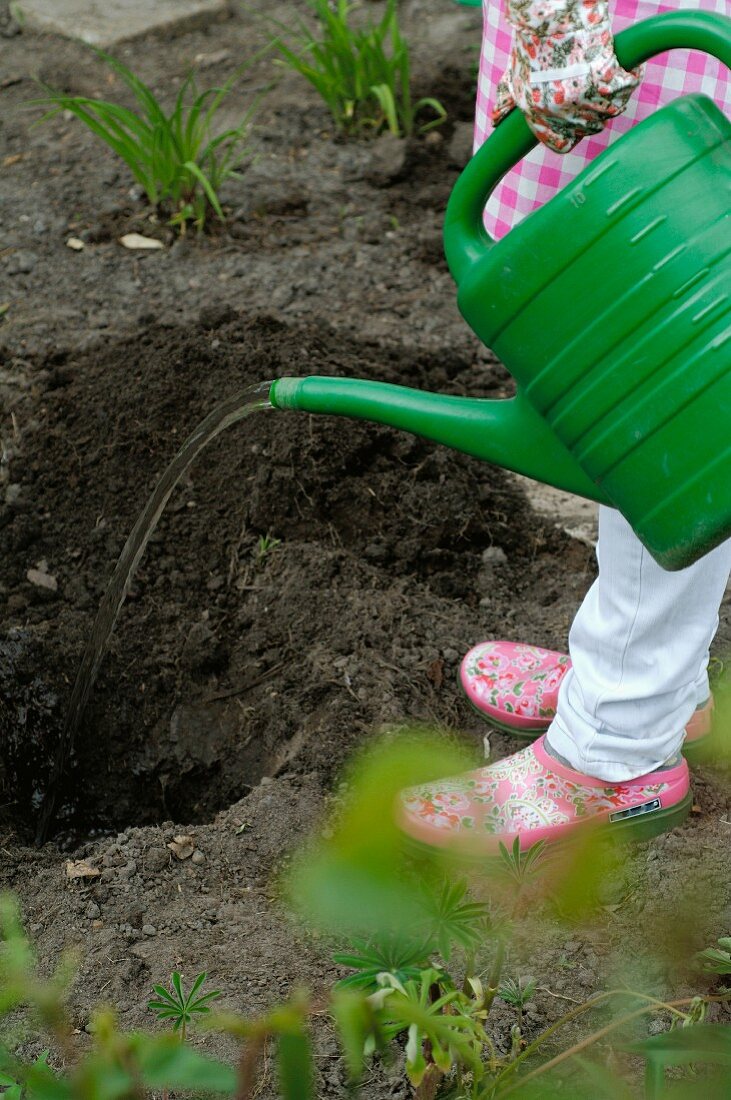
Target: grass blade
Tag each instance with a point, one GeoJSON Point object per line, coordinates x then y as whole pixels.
{"type": "Point", "coordinates": [211, 195]}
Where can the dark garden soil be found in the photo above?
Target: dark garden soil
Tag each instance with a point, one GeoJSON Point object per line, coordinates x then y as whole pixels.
{"type": "Point", "coordinates": [313, 581]}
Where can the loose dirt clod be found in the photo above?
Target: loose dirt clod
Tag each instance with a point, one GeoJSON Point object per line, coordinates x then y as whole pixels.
{"type": "Point", "coordinates": [182, 847]}
{"type": "Point", "coordinates": [81, 869]}
{"type": "Point", "coordinates": [42, 580]}
{"type": "Point", "coordinates": [137, 241]}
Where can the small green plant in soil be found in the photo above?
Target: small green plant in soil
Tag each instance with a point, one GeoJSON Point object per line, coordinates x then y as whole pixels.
{"type": "Point", "coordinates": [179, 1007]}
{"type": "Point", "coordinates": [415, 933]}
{"type": "Point", "coordinates": [517, 991]}
{"type": "Point", "coordinates": [363, 75]}
{"type": "Point", "coordinates": [429, 958]}
{"type": "Point", "coordinates": [176, 156]}
{"type": "Point", "coordinates": [264, 547]}
{"type": "Point", "coordinates": [716, 960]}
{"type": "Point", "coordinates": [119, 1065]}
{"type": "Point", "coordinates": [115, 1064]}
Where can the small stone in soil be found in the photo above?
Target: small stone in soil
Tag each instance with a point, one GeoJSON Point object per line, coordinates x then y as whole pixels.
{"type": "Point", "coordinates": [21, 262]}
{"type": "Point", "coordinates": [42, 580]}
{"type": "Point", "coordinates": [494, 555]}
{"type": "Point", "coordinates": [459, 149]}
{"type": "Point", "coordinates": [387, 161]}
{"type": "Point", "coordinates": [156, 859]}
{"type": "Point", "coordinates": [149, 930]}
{"type": "Point", "coordinates": [215, 315]}
{"type": "Point", "coordinates": [182, 846]}
{"type": "Point", "coordinates": [113, 858]}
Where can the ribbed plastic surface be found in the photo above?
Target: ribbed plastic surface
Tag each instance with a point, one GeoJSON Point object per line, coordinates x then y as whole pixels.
{"type": "Point", "coordinates": [612, 307]}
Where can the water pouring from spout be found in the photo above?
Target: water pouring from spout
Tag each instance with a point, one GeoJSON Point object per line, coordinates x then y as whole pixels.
{"type": "Point", "coordinates": [226, 414]}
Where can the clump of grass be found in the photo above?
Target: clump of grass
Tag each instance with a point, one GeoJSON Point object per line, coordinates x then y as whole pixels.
{"type": "Point", "coordinates": [264, 547]}
{"type": "Point", "coordinates": [363, 75]}
{"type": "Point", "coordinates": [176, 156]}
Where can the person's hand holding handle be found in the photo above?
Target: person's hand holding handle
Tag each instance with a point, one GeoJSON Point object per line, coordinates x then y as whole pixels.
{"type": "Point", "coordinates": [563, 75]}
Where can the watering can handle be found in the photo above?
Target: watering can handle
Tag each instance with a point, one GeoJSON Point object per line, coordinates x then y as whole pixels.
{"type": "Point", "coordinates": [465, 237]}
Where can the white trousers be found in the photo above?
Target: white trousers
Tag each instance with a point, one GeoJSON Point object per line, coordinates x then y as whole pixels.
{"type": "Point", "coordinates": [639, 652]}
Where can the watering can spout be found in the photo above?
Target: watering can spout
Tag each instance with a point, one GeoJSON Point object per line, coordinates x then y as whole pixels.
{"type": "Point", "coordinates": [508, 433]}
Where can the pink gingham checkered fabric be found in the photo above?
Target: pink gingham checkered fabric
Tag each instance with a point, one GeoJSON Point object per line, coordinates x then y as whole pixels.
{"type": "Point", "coordinates": [542, 173]}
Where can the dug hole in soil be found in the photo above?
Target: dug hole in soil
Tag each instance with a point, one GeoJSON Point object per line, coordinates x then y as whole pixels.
{"type": "Point", "coordinates": [312, 582]}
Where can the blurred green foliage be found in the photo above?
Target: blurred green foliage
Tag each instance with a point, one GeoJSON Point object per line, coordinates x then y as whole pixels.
{"type": "Point", "coordinates": [412, 924]}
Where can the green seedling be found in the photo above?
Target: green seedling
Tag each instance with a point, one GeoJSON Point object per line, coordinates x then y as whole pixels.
{"type": "Point", "coordinates": [716, 960]}
{"type": "Point", "coordinates": [517, 993]}
{"type": "Point", "coordinates": [264, 546]}
{"type": "Point", "coordinates": [522, 868]}
{"type": "Point", "coordinates": [176, 156]}
{"type": "Point", "coordinates": [179, 1007]}
{"type": "Point", "coordinates": [112, 1063]}
{"type": "Point", "coordinates": [387, 953]}
{"type": "Point", "coordinates": [12, 1089]}
{"type": "Point", "coordinates": [363, 75]}
{"type": "Point", "coordinates": [452, 919]}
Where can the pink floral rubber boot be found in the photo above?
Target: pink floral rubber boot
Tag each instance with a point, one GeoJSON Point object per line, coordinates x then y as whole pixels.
{"type": "Point", "coordinates": [515, 687]}
{"type": "Point", "coordinates": [534, 797]}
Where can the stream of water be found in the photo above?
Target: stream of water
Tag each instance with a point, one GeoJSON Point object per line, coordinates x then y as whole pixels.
{"type": "Point", "coordinates": [223, 416]}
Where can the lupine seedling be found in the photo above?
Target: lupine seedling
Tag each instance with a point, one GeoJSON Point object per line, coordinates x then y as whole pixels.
{"type": "Point", "coordinates": [179, 1007]}
{"type": "Point", "coordinates": [523, 867]}
{"type": "Point", "coordinates": [13, 1089]}
{"type": "Point", "coordinates": [176, 156]}
{"type": "Point", "coordinates": [387, 954]}
{"type": "Point", "coordinates": [517, 992]}
{"type": "Point", "coordinates": [716, 960]}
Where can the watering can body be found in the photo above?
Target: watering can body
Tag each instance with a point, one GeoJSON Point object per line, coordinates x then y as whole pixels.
{"type": "Point", "coordinates": [611, 307]}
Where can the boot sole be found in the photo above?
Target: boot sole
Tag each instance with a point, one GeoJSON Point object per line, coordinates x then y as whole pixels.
{"type": "Point", "coordinates": [639, 828]}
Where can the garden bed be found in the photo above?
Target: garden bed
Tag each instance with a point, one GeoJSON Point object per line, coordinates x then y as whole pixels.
{"type": "Point", "coordinates": [312, 582]}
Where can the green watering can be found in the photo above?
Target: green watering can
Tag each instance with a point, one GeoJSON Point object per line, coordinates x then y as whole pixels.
{"type": "Point", "coordinates": [611, 306]}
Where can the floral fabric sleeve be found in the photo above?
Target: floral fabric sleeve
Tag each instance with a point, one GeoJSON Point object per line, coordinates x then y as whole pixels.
{"type": "Point", "coordinates": [563, 73]}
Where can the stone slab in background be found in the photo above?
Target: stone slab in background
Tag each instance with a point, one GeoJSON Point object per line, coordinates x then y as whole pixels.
{"type": "Point", "coordinates": [574, 515]}
{"type": "Point", "coordinates": [104, 23]}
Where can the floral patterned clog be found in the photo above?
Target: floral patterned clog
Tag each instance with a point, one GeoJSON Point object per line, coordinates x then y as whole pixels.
{"type": "Point", "coordinates": [531, 796]}
{"type": "Point", "coordinates": [515, 687]}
